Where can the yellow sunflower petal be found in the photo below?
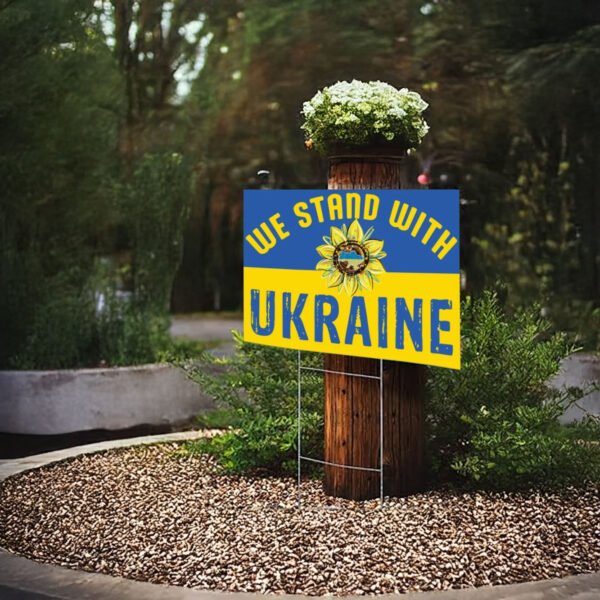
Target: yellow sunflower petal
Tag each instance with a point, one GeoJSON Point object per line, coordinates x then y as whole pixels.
{"type": "Point", "coordinates": [337, 236]}
{"type": "Point", "coordinates": [324, 264]}
{"type": "Point", "coordinates": [335, 278]}
{"type": "Point", "coordinates": [380, 255]}
{"type": "Point", "coordinates": [366, 280]}
{"type": "Point", "coordinates": [368, 234]}
{"type": "Point", "coordinates": [351, 284]}
{"type": "Point", "coordinates": [325, 250]}
{"type": "Point", "coordinates": [355, 231]}
{"type": "Point", "coordinates": [375, 266]}
{"type": "Point", "coordinates": [374, 246]}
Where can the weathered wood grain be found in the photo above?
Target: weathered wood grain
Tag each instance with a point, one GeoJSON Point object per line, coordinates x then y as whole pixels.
{"type": "Point", "coordinates": [352, 404]}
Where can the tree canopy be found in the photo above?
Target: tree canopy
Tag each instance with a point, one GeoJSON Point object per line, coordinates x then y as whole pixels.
{"type": "Point", "coordinates": [96, 96]}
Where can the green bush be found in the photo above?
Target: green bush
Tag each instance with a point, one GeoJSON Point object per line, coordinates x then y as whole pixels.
{"type": "Point", "coordinates": [51, 309]}
{"type": "Point", "coordinates": [66, 204]}
{"type": "Point", "coordinates": [495, 422]}
{"type": "Point", "coordinates": [259, 385]}
{"type": "Point", "coordinates": [132, 337]}
{"type": "Point", "coordinates": [526, 447]}
{"type": "Point", "coordinates": [155, 210]}
{"type": "Point", "coordinates": [59, 107]}
{"type": "Point", "coordinates": [54, 327]}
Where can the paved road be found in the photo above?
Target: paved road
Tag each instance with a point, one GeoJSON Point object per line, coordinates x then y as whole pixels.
{"type": "Point", "coordinates": [204, 329]}
{"type": "Point", "coordinates": [207, 329]}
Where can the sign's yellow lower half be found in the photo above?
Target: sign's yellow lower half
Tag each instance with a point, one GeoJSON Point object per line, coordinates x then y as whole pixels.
{"type": "Point", "coordinates": [409, 317]}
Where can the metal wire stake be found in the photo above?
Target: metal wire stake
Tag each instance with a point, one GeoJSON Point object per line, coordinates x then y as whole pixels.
{"type": "Point", "coordinates": [381, 432]}
{"type": "Point", "coordinates": [299, 428]}
{"type": "Point", "coordinates": [300, 458]}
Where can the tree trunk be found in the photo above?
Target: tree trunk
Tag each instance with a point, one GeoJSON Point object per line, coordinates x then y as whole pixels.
{"type": "Point", "coordinates": [351, 413]}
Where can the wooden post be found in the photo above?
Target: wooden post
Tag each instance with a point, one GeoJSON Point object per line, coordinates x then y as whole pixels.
{"type": "Point", "coordinates": [352, 403]}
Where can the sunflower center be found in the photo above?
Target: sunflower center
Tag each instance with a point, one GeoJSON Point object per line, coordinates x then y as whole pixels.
{"type": "Point", "coordinates": [350, 257]}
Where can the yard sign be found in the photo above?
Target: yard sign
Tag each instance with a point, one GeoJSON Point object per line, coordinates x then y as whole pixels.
{"type": "Point", "coordinates": [370, 273]}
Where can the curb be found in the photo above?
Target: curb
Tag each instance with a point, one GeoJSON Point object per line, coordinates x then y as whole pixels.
{"type": "Point", "coordinates": [24, 579]}
{"type": "Point", "coordinates": [12, 466]}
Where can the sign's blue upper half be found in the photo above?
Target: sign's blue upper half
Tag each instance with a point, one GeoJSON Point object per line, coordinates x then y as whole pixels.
{"type": "Point", "coordinates": [419, 228]}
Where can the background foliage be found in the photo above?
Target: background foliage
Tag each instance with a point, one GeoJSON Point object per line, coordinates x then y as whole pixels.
{"type": "Point", "coordinates": [90, 242]}
{"type": "Point", "coordinates": [93, 93]}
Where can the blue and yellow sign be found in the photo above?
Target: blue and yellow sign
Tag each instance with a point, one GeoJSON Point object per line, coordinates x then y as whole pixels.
{"type": "Point", "coordinates": [371, 273]}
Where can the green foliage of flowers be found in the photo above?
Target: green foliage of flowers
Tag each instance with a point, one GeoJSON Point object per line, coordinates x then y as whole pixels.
{"type": "Point", "coordinates": [363, 113]}
{"type": "Point", "coordinates": [495, 422]}
{"type": "Point", "coordinates": [258, 388]}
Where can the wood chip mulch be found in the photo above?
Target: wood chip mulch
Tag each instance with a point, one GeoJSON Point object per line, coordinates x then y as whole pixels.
{"type": "Point", "coordinates": [145, 514]}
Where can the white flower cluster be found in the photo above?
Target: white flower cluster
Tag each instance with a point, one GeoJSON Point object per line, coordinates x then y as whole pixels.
{"type": "Point", "coordinates": [358, 113]}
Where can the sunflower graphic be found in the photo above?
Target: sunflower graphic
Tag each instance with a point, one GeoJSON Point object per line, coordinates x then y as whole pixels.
{"type": "Point", "coordinates": [351, 259]}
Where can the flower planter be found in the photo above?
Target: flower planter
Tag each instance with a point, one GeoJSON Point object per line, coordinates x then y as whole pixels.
{"type": "Point", "coordinates": [64, 401]}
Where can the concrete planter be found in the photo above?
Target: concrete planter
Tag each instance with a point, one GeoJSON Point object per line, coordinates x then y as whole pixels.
{"type": "Point", "coordinates": [64, 401]}
{"type": "Point", "coordinates": [576, 371]}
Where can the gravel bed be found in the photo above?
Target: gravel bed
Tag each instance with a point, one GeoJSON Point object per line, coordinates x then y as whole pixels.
{"type": "Point", "coordinates": [144, 513]}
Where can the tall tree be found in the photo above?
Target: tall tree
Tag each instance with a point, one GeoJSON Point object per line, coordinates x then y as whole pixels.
{"type": "Point", "coordinates": [515, 96]}
{"type": "Point", "coordinates": [264, 59]}
{"type": "Point", "coordinates": [154, 41]}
